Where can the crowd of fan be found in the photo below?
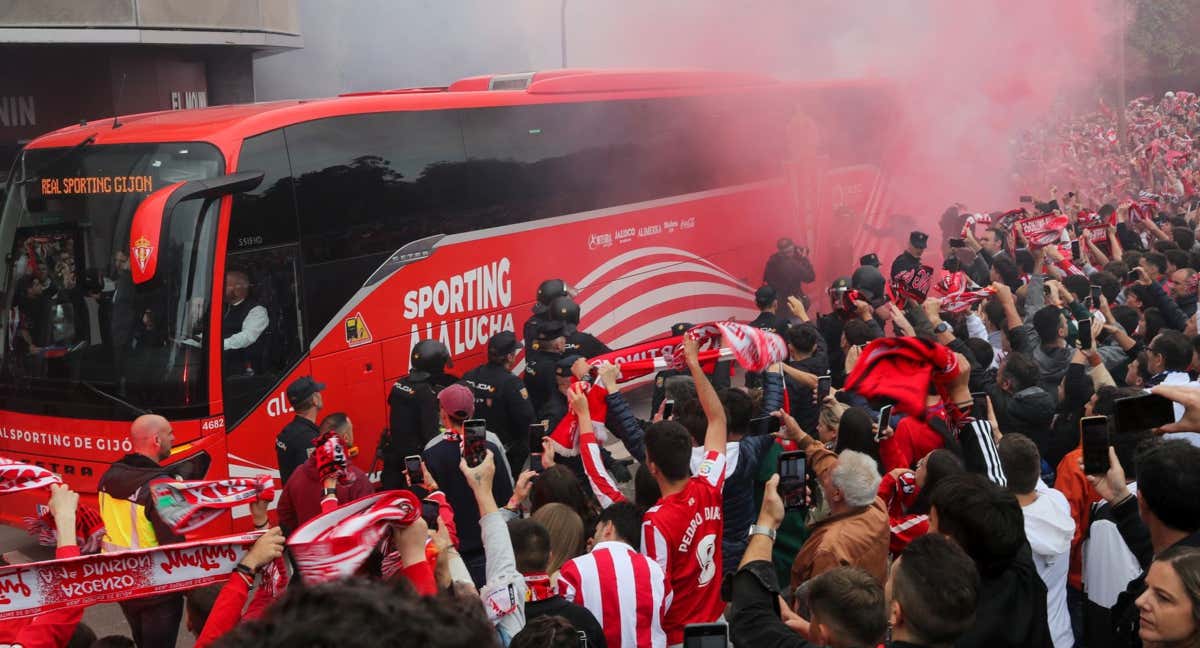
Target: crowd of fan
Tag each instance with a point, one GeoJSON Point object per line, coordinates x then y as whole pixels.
{"type": "Point", "coordinates": [958, 526]}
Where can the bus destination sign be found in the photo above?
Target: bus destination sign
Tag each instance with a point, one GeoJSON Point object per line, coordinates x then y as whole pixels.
{"type": "Point", "coordinates": [87, 185]}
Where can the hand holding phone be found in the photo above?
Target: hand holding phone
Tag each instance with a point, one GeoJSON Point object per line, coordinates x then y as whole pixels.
{"type": "Point", "coordinates": [412, 465]}
{"type": "Point", "coordinates": [429, 512]}
{"type": "Point", "coordinates": [824, 384]}
{"type": "Point", "coordinates": [474, 441]}
{"type": "Point", "coordinates": [957, 243]}
{"type": "Point", "coordinates": [791, 480]}
{"type": "Point", "coordinates": [1085, 333]}
{"type": "Point", "coordinates": [1145, 412]}
{"type": "Point", "coordinates": [1093, 433]}
{"type": "Point", "coordinates": [885, 417]}
{"type": "Point", "coordinates": [668, 409]}
{"type": "Point", "coordinates": [537, 432]}
{"type": "Point", "coordinates": [765, 425]}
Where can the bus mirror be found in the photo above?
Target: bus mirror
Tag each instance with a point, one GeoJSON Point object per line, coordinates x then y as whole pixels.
{"type": "Point", "coordinates": [154, 213]}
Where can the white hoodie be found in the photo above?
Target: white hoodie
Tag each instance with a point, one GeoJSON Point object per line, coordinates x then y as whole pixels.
{"type": "Point", "coordinates": [1050, 527]}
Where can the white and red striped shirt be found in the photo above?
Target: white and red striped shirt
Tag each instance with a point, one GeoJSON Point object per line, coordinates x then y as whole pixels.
{"type": "Point", "coordinates": [626, 592]}
{"type": "Point", "coordinates": [683, 535]}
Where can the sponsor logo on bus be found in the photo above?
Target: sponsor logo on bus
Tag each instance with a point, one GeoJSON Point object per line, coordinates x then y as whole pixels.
{"type": "Point", "coordinates": [279, 406]}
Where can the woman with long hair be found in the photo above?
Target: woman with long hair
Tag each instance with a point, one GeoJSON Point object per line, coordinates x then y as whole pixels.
{"type": "Point", "coordinates": [907, 494]}
{"type": "Point", "coordinates": [567, 539]}
{"type": "Point", "coordinates": [1170, 606]}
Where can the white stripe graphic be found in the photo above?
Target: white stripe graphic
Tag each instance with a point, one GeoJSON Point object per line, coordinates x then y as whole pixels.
{"type": "Point", "coordinates": [611, 288]}
{"type": "Point", "coordinates": [658, 296]}
{"type": "Point", "coordinates": [662, 325]}
{"type": "Point", "coordinates": [627, 596]}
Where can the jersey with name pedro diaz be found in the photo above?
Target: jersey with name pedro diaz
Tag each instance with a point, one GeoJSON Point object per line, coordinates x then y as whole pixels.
{"type": "Point", "coordinates": [682, 533]}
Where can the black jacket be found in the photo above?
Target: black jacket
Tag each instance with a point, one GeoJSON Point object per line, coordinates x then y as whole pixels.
{"type": "Point", "coordinates": [1011, 610]}
{"type": "Point", "coordinates": [128, 479]}
{"type": "Point", "coordinates": [294, 445]}
{"type": "Point", "coordinates": [755, 614]}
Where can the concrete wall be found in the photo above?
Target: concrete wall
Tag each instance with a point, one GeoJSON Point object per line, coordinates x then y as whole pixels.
{"type": "Point", "coordinates": [265, 15]}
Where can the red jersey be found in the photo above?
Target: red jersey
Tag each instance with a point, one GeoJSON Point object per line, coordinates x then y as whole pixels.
{"type": "Point", "coordinates": [913, 440]}
{"type": "Point", "coordinates": [683, 535]}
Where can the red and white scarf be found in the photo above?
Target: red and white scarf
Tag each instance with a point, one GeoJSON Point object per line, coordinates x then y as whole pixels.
{"type": "Point", "coordinates": [36, 588]}
{"type": "Point", "coordinates": [1040, 231]}
{"type": "Point", "coordinates": [17, 476]}
{"type": "Point", "coordinates": [335, 545]}
{"type": "Point", "coordinates": [89, 528]}
{"type": "Point", "coordinates": [960, 293]}
{"type": "Point", "coordinates": [753, 348]}
{"type": "Point", "coordinates": [188, 505]}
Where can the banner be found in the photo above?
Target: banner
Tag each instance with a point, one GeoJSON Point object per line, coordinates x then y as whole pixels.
{"type": "Point", "coordinates": [16, 476]}
{"type": "Point", "coordinates": [36, 588]}
{"type": "Point", "coordinates": [188, 505]}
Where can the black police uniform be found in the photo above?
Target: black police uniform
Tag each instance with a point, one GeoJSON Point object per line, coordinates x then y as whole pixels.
{"type": "Point", "coordinates": [294, 444]}
{"type": "Point", "coordinates": [547, 292]}
{"type": "Point", "coordinates": [539, 365]}
{"type": "Point", "coordinates": [502, 400]}
{"type": "Point", "coordinates": [412, 421]}
{"type": "Point", "coordinates": [906, 261]}
{"type": "Point", "coordinates": [584, 344]}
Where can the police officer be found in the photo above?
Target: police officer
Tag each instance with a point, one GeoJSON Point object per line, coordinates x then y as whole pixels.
{"type": "Point", "coordinates": [295, 442]}
{"type": "Point", "coordinates": [501, 398]}
{"type": "Point", "coordinates": [910, 258]}
{"type": "Point", "coordinates": [547, 292]}
{"type": "Point", "coordinates": [413, 409]}
{"type": "Point", "coordinates": [540, 360]}
{"type": "Point", "coordinates": [565, 310]}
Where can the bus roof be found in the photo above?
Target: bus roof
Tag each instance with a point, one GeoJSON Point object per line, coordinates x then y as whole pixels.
{"type": "Point", "coordinates": [228, 125]}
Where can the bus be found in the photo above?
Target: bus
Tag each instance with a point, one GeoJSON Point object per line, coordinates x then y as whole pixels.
{"type": "Point", "coordinates": [360, 224]}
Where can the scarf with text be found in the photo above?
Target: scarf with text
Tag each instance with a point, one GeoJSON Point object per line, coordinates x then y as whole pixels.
{"type": "Point", "coordinates": [188, 505]}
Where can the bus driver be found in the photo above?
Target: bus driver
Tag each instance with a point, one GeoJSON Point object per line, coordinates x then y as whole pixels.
{"type": "Point", "coordinates": [244, 322]}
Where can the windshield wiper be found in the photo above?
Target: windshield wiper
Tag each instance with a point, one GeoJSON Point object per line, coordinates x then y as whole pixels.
{"type": "Point", "coordinates": [63, 157]}
{"type": "Point", "coordinates": [116, 399]}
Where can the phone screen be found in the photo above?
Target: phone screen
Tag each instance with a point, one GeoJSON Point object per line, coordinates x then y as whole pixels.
{"type": "Point", "coordinates": [1093, 432]}
{"type": "Point", "coordinates": [1085, 333]}
{"type": "Point", "coordinates": [824, 383]}
{"type": "Point", "coordinates": [1095, 296]}
{"type": "Point", "coordinates": [668, 409]}
{"type": "Point", "coordinates": [1131, 276]}
{"type": "Point", "coordinates": [1144, 412]}
{"type": "Point", "coordinates": [412, 464]}
{"type": "Point", "coordinates": [885, 418]}
{"type": "Point", "coordinates": [705, 635]}
{"type": "Point", "coordinates": [429, 512]}
{"type": "Point", "coordinates": [979, 408]}
{"type": "Point", "coordinates": [474, 441]}
{"type": "Point", "coordinates": [791, 480]}
{"type": "Point", "coordinates": [537, 432]}
{"type": "Point", "coordinates": [957, 243]}
{"type": "Point", "coordinates": [1075, 249]}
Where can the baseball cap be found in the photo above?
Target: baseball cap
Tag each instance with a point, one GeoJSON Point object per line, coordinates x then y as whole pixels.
{"type": "Point", "coordinates": [503, 343]}
{"type": "Point", "coordinates": [679, 328]}
{"type": "Point", "coordinates": [457, 401]}
{"type": "Point", "coordinates": [562, 368]}
{"type": "Point", "coordinates": [551, 330]}
{"type": "Point", "coordinates": [764, 296]}
{"type": "Point", "coordinates": [871, 259]}
{"type": "Point", "coordinates": [918, 240]}
{"type": "Point", "coordinates": [302, 388]}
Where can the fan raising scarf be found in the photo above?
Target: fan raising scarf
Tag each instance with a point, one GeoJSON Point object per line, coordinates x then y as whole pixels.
{"type": "Point", "coordinates": [900, 370]}
{"type": "Point", "coordinates": [89, 528]}
{"type": "Point", "coordinates": [334, 545]}
{"type": "Point", "coordinates": [16, 476]}
{"type": "Point", "coordinates": [957, 298]}
{"type": "Point", "coordinates": [1044, 230]}
{"type": "Point", "coordinates": [753, 348]}
{"type": "Point", "coordinates": [188, 505]}
{"type": "Point", "coordinates": [565, 436]}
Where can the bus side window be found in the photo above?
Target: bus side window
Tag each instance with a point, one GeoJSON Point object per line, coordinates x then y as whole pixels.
{"type": "Point", "coordinates": [261, 330]}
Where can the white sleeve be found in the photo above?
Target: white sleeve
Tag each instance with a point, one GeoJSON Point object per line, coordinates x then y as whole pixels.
{"type": "Point", "coordinates": [975, 328]}
{"type": "Point", "coordinates": [255, 323]}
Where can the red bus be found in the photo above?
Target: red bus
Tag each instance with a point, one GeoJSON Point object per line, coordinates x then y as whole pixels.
{"type": "Point", "coordinates": [367, 222]}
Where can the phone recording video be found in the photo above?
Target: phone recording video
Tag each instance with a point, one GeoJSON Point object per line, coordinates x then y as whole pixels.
{"type": "Point", "coordinates": [537, 432]}
{"type": "Point", "coordinates": [958, 243]}
{"type": "Point", "coordinates": [1095, 297]}
{"type": "Point", "coordinates": [824, 384]}
{"type": "Point", "coordinates": [668, 409]}
{"type": "Point", "coordinates": [429, 513]}
{"type": "Point", "coordinates": [412, 465]}
{"type": "Point", "coordinates": [1093, 433]}
{"type": "Point", "coordinates": [1085, 333]}
{"type": "Point", "coordinates": [791, 480]}
{"type": "Point", "coordinates": [1145, 412]}
{"type": "Point", "coordinates": [705, 635]}
{"type": "Point", "coordinates": [474, 441]}
{"type": "Point", "coordinates": [765, 425]}
{"type": "Point", "coordinates": [1075, 249]}
{"type": "Point", "coordinates": [1131, 276]}
{"type": "Point", "coordinates": [885, 419]}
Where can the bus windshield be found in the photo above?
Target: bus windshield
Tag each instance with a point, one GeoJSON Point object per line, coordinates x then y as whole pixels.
{"type": "Point", "coordinates": [81, 339]}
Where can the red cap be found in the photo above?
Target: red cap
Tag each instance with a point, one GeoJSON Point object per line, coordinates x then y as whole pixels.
{"type": "Point", "coordinates": [457, 401]}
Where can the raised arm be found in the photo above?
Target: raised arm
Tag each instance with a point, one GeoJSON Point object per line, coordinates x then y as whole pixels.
{"type": "Point", "coordinates": [715, 434]}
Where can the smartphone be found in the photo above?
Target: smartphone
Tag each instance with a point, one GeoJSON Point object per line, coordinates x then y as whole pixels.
{"type": "Point", "coordinates": [412, 465]}
{"type": "Point", "coordinates": [705, 635]}
{"type": "Point", "coordinates": [1026, 199]}
{"type": "Point", "coordinates": [537, 432]}
{"type": "Point", "coordinates": [885, 419]}
{"type": "Point", "coordinates": [824, 383]}
{"type": "Point", "coordinates": [1095, 296]}
{"type": "Point", "coordinates": [1085, 333]}
{"type": "Point", "coordinates": [769, 423]}
{"type": "Point", "coordinates": [474, 441]}
{"type": "Point", "coordinates": [668, 409]}
{"type": "Point", "coordinates": [979, 408]}
{"type": "Point", "coordinates": [1131, 276]}
{"type": "Point", "coordinates": [1144, 412]}
{"type": "Point", "coordinates": [957, 243]}
{"type": "Point", "coordinates": [791, 480]}
{"type": "Point", "coordinates": [1093, 439]}
{"type": "Point", "coordinates": [429, 513]}
{"type": "Point", "coordinates": [1075, 249]}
